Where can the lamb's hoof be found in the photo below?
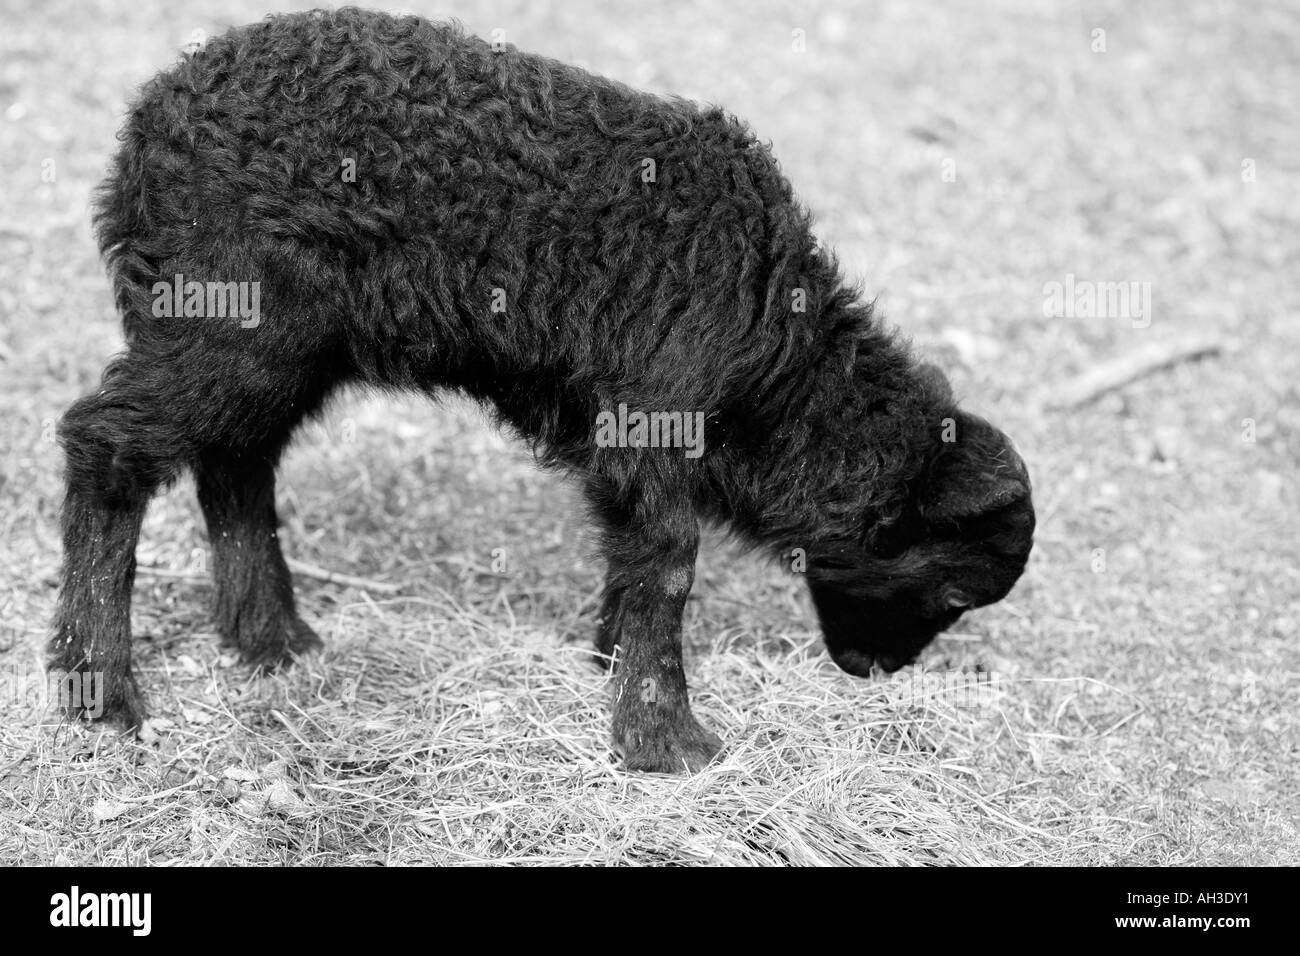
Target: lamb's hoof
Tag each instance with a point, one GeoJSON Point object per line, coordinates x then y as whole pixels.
{"type": "Point", "coordinates": [688, 749]}
{"type": "Point", "coordinates": [295, 640]}
{"type": "Point", "coordinates": [113, 703]}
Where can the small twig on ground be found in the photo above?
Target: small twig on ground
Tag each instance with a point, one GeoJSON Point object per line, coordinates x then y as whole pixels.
{"type": "Point", "coordinates": [1123, 369]}
{"type": "Point", "coordinates": [299, 567]}
{"type": "Point", "coordinates": [149, 571]}
{"type": "Point", "coordinates": [334, 577]}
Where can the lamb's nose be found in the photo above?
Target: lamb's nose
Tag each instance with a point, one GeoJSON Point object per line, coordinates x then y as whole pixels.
{"type": "Point", "coordinates": [890, 662]}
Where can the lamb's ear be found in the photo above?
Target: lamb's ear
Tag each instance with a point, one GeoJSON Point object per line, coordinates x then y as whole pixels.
{"type": "Point", "coordinates": [976, 471]}
{"type": "Point", "coordinates": [935, 382]}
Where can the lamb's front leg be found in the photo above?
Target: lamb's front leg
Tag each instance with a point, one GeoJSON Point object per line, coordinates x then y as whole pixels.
{"type": "Point", "coordinates": [651, 568]}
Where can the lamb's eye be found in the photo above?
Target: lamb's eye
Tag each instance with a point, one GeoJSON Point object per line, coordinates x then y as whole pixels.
{"type": "Point", "coordinates": [957, 599]}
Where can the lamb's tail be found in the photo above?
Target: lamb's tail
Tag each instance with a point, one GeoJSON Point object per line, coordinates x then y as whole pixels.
{"type": "Point", "coordinates": [129, 239]}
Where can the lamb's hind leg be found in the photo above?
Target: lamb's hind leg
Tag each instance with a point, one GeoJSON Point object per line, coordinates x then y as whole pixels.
{"type": "Point", "coordinates": [118, 452]}
{"type": "Point", "coordinates": [254, 594]}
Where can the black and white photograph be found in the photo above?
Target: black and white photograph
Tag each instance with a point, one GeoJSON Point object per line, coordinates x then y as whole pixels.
{"type": "Point", "coordinates": [701, 433]}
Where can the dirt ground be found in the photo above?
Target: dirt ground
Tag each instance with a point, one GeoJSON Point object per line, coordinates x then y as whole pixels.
{"type": "Point", "coordinates": [1142, 702]}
